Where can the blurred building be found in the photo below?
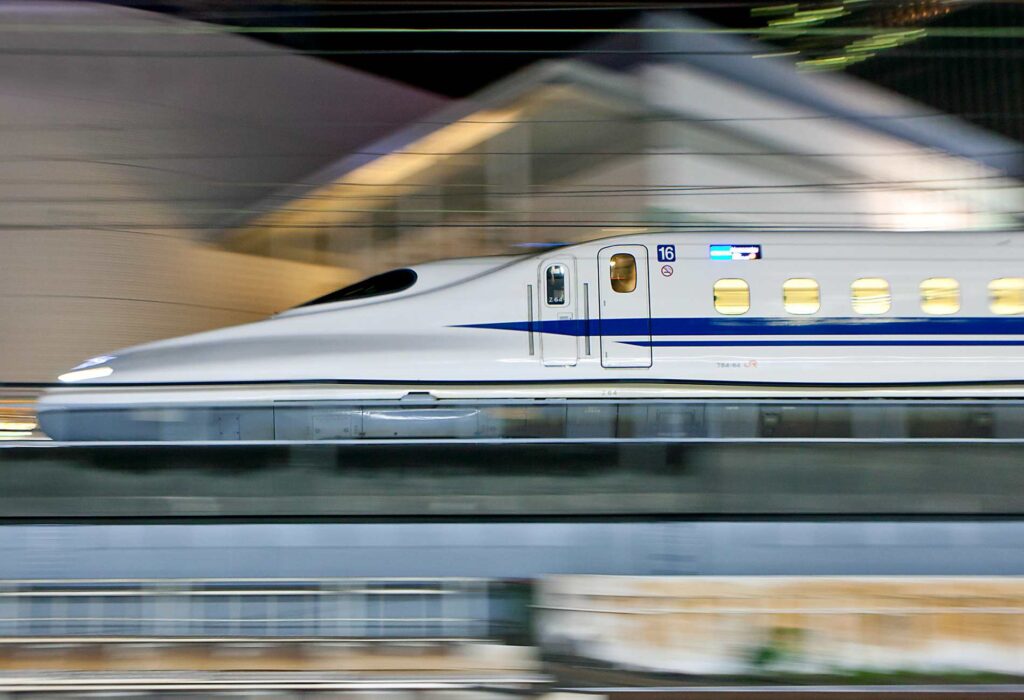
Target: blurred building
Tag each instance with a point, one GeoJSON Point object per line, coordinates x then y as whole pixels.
{"type": "Point", "coordinates": [126, 137]}
{"type": "Point", "coordinates": [670, 128]}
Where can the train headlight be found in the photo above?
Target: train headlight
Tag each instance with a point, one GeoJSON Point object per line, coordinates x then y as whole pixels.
{"type": "Point", "coordinates": [79, 375]}
{"type": "Point", "coordinates": [88, 370]}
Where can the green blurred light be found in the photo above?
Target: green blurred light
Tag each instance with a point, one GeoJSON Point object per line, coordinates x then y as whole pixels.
{"type": "Point", "coordinates": [775, 9]}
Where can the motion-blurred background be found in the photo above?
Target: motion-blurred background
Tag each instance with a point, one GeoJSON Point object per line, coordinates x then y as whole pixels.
{"type": "Point", "coordinates": [170, 166]}
{"type": "Point", "coordinates": [167, 167]}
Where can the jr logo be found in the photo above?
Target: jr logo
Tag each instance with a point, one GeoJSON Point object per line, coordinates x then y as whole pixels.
{"type": "Point", "coordinates": [666, 253]}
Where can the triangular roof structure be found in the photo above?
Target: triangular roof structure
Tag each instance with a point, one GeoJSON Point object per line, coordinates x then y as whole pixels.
{"type": "Point", "coordinates": [748, 76]}
{"type": "Point", "coordinates": [684, 39]}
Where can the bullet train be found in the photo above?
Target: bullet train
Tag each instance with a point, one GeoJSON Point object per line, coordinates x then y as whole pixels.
{"type": "Point", "coordinates": [645, 316]}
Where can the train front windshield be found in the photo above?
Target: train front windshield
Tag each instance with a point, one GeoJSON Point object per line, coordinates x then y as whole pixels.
{"type": "Point", "coordinates": [390, 282]}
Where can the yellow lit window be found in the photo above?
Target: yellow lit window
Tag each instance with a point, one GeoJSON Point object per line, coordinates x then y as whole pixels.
{"type": "Point", "coordinates": [1006, 296]}
{"type": "Point", "coordinates": [870, 295]}
{"type": "Point", "coordinates": [940, 295]}
{"type": "Point", "coordinates": [801, 296]}
{"type": "Point", "coordinates": [623, 272]}
{"type": "Point", "coordinates": [732, 297]}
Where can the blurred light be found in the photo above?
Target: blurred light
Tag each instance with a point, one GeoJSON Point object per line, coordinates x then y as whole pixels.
{"type": "Point", "coordinates": [775, 54]}
{"type": "Point", "coordinates": [394, 168]}
{"type": "Point", "coordinates": [775, 9]}
{"type": "Point", "coordinates": [83, 374]}
{"type": "Point", "coordinates": [834, 61]}
{"type": "Point", "coordinates": [18, 425]}
{"type": "Point", "coordinates": [93, 361]}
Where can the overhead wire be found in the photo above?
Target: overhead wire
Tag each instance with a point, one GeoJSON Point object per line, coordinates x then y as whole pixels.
{"type": "Point", "coordinates": [653, 152]}
{"type": "Point", "coordinates": [626, 119]}
{"type": "Point", "coordinates": [555, 191]}
{"type": "Point", "coordinates": [1005, 32]}
{"type": "Point", "coordinates": [195, 28]}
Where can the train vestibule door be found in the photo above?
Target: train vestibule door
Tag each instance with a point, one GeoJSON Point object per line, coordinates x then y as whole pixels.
{"type": "Point", "coordinates": [624, 306]}
{"type": "Point", "coordinates": [558, 321]}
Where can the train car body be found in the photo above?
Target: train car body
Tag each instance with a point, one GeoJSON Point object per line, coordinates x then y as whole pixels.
{"type": "Point", "coordinates": [650, 315]}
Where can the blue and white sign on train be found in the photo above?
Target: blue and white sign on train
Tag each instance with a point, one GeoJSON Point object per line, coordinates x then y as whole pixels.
{"type": "Point", "coordinates": [793, 314]}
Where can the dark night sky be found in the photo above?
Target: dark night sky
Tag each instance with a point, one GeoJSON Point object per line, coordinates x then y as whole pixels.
{"type": "Point", "coordinates": [978, 78]}
{"type": "Point", "coordinates": [451, 74]}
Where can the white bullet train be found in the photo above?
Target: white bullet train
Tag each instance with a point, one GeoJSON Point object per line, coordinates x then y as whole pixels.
{"type": "Point", "coordinates": [665, 315]}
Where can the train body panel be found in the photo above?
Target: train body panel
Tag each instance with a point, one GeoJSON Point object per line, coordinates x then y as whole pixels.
{"type": "Point", "coordinates": [777, 311]}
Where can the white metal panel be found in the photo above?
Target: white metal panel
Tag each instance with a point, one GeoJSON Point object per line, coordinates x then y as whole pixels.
{"type": "Point", "coordinates": [561, 347]}
{"type": "Point", "coordinates": [629, 309]}
{"type": "Point", "coordinates": [476, 331]}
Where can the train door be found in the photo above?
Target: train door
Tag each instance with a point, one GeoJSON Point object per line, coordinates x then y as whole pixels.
{"type": "Point", "coordinates": [624, 306]}
{"type": "Point", "coordinates": [558, 323]}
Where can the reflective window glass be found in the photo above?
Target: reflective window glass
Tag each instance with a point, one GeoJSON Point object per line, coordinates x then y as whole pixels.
{"type": "Point", "coordinates": [555, 284]}
{"type": "Point", "coordinates": [801, 296]}
{"type": "Point", "coordinates": [940, 295]}
{"type": "Point", "coordinates": [389, 282]}
{"type": "Point", "coordinates": [870, 295]}
{"type": "Point", "coordinates": [732, 296]}
{"type": "Point", "coordinates": [623, 272]}
{"type": "Point", "coordinates": [1006, 296]}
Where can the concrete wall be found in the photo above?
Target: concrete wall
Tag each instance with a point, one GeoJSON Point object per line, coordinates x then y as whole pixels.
{"type": "Point", "coordinates": [69, 295]}
{"type": "Point", "coordinates": [126, 138]}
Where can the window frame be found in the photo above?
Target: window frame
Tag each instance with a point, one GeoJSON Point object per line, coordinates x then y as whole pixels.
{"type": "Point", "coordinates": [933, 306]}
{"type": "Point", "coordinates": [613, 266]}
{"type": "Point", "coordinates": [855, 301]}
{"type": "Point", "coordinates": [745, 290]}
{"type": "Point", "coordinates": [565, 284]}
{"type": "Point", "coordinates": [391, 282]}
{"type": "Point", "coordinates": [992, 301]}
{"type": "Point", "coordinates": [787, 305]}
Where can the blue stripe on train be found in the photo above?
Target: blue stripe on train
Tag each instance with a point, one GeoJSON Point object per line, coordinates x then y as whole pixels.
{"type": "Point", "coordinates": [806, 343]}
{"type": "Point", "coordinates": [769, 326]}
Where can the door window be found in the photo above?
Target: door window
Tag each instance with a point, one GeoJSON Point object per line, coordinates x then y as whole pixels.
{"type": "Point", "coordinates": [623, 273]}
{"type": "Point", "coordinates": [555, 285]}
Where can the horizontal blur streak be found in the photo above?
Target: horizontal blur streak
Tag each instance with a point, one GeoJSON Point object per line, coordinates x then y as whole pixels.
{"type": "Point", "coordinates": [102, 242]}
{"type": "Point", "coordinates": [146, 197]}
{"type": "Point", "coordinates": [788, 625]}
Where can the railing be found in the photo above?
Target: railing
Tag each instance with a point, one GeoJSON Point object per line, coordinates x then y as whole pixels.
{"type": "Point", "coordinates": [374, 609]}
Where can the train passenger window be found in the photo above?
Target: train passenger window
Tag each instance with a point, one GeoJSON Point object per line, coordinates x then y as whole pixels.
{"type": "Point", "coordinates": [555, 284]}
{"type": "Point", "coordinates": [870, 295]}
{"type": "Point", "coordinates": [940, 295]}
{"type": "Point", "coordinates": [623, 273]}
{"type": "Point", "coordinates": [801, 296]}
{"type": "Point", "coordinates": [1006, 296]}
{"type": "Point", "coordinates": [732, 296]}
